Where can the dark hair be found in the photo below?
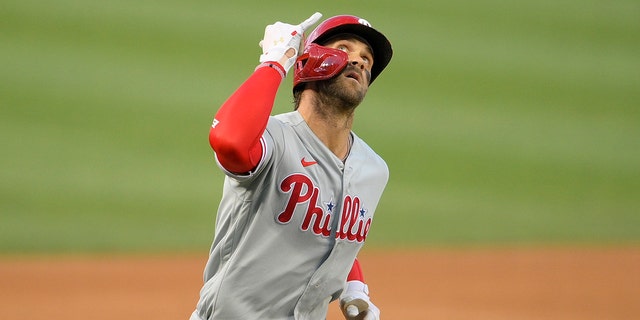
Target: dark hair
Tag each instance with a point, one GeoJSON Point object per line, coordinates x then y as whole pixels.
{"type": "Point", "coordinates": [297, 95]}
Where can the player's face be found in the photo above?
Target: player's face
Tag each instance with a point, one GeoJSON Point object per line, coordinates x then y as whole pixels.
{"type": "Point", "coordinates": [349, 88]}
{"type": "Point", "coordinates": [360, 58]}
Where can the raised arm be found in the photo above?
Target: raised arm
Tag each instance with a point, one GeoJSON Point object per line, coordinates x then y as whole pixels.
{"type": "Point", "coordinates": [241, 120]}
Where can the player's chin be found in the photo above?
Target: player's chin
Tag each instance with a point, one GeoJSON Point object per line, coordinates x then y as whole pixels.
{"type": "Point", "coordinates": [357, 95]}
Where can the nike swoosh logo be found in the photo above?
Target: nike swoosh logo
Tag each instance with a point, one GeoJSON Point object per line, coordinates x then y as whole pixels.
{"type": "Point", "coordinates": [306, 163]}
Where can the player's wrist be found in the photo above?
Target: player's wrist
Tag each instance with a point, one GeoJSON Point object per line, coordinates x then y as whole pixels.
{"type": "Point", "coordinates": [274, 65]}
{"type": "Point", "coordinates": [357, 286]}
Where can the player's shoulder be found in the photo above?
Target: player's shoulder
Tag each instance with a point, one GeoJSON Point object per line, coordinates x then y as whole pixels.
{"type": "Point", "coordinates": [289, 118]}
{"type": "Point", "coordinates": [278, 125]}
{"type": "Point", "coordinates": [366, 151]}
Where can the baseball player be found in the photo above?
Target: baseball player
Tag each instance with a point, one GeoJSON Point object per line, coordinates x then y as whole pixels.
{"type": "Point", "coordinates": [301, 188]}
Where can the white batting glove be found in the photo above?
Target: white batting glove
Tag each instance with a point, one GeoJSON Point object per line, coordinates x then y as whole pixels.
{"type": "Point", "coordinates": [280, 37]}
{"type": "Point", "coordinates": [355, 302]}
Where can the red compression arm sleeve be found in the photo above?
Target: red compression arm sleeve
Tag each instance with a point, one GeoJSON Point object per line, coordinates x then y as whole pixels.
{"type": "Point", "coordinates": [242, 119]}
{"type": "Point", "coordinates": [356, 272]}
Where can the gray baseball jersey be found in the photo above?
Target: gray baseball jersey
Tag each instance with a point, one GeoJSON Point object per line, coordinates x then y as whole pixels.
{"type": "Point", "coordinates": [288, 233]}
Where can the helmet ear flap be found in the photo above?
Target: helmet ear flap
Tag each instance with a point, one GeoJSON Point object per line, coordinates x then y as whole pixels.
{"type": "Point", "coordinates": [319, 63]}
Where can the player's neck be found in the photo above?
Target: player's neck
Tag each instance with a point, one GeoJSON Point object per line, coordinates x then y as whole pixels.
{"type": "Point", "coordinates": [332, 128]}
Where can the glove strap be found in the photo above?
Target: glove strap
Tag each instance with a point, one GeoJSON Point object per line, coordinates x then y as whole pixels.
{"type": "Point", "coordinates": [357, 286]}
{"type": "Point", "coordinates": [274, 65]}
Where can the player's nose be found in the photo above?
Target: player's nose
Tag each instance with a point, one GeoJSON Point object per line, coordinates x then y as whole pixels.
{"type": "Point", "coordinates": [358, 62]}
{"type": "Point", "coordinates": [363, 67]}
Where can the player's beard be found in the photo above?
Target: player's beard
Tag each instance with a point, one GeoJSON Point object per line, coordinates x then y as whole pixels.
{"type": "Point", "coordinates": [342, 96]}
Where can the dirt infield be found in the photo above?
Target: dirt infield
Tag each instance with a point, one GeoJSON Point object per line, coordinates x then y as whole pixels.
{"type": "Point", "coordinates": [511, 283]}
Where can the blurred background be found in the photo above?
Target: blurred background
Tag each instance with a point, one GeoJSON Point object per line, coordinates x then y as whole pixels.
{"type": "Point", "coordinates": [502, 122]}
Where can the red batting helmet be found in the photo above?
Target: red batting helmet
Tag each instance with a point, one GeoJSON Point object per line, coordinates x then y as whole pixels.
{"type": "Point", "coordinates": [319, 63]}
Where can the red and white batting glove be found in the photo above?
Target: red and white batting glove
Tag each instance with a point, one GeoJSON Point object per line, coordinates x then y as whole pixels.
{"type": "Point", "coordinates": [280, 37]}
{"type": "Point", "coordinates": [355, 302]}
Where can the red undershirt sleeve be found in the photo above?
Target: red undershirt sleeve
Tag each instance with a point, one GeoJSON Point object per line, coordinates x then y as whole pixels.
{"type": "Point", "coordinates": [356, 272]}
{"type": "Point", "coordinates": [242, 119]}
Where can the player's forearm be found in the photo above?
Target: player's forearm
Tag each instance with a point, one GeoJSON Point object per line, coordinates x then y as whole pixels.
{"type": "Point", "coordinates": [242, 119]}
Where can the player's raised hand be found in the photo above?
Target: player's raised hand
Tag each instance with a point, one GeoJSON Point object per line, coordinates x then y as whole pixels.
{"type": "Point", "coordinates": [355, 303]}
{"type": "Point", "coordinates": [282, 39]}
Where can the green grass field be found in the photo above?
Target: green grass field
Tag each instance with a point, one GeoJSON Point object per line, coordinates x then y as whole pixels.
{"type": "Point", "coordinates": [503, 122]}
